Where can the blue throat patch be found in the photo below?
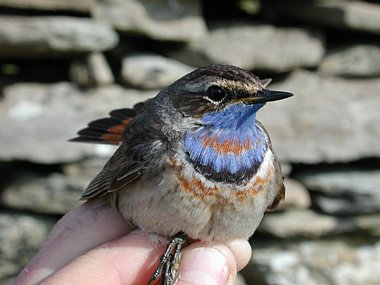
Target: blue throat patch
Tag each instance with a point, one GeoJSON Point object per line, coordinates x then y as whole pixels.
{"type": "Point", "coordinates": [229, 147]}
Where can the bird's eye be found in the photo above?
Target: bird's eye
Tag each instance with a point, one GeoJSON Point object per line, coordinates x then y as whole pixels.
{"type": "Point", "coordinates": [215, 93]}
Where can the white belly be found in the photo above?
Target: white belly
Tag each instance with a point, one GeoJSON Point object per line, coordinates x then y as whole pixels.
{"type": "Point", "coordinates": [162, 205]}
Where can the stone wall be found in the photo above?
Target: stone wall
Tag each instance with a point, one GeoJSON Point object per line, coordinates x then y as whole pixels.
{"type": "Point", "coordinates": [64, 63]}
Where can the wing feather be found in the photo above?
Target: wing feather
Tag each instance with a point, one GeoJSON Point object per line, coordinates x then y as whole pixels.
{"type": "Point", "coordinates": [142, 144]}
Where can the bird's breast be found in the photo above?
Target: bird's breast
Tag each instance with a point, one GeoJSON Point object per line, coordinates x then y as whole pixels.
{"type": "Point", "coordinates": [225, 157]}
{"type": "Point", "coordinates": [199, 187]}
{"type": "Point", "coordinates": [234, 147]}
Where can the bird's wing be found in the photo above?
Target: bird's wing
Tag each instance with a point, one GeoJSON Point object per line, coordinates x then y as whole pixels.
{"type": "Point", "coordinates": [100, 185]}
{"type": "Point", "coordinates": [279, 197]}
{"type": "Point", "coordinates": [142, 144]}
{"type": "Point", "coordinates": [138, 134]}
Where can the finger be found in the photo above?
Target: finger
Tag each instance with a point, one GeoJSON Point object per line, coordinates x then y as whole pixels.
{"type": "Point", "coordinates": [128, 260]}
{"type": "Point", "coordinates": [242, 251]}
{"type": "Point", "coordinates": [132, 259]}
{"type": "Point", "coordinates": [77, 232]}
{"type": "Point", "coordinates": [214, 265]}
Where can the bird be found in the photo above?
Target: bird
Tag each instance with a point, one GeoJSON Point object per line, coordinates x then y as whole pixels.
{"type": "Point", "coordinates": [193, 162]}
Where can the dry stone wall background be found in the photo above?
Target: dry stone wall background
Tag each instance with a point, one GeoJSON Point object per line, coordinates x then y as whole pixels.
{"type": "Point", "coordinates": [64, 63]}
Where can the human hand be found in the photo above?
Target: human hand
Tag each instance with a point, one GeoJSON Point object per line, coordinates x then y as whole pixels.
{"type": "Point", "coordinates": [94, 245]}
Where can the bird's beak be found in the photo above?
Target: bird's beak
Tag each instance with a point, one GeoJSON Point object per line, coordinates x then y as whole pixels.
{"type": "Point", "coordinates": [264, 96]}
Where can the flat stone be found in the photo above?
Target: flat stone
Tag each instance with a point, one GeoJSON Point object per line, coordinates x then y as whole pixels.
{"type": "Point", "coordinates": [296, 196]}
{"type": "Point", "coordinates": [83, 6]}
{"type": "Point", "coordinates": [369, 224]}
{"type": "Point", "coordinates": [353, 15]}
{"type": "Point", "coordinates": [286, 168]}
{"type": "Point", "coordinates": [161, 19]}
{"type": "Point", "coordinates": [44, 116]}
{"type": "Point", "coordinates": [92, 70]}
{"type": "Point", "coordinates": [298, 223]}
{"type": "Point", "coordinates": [33, 36]}
{"type": "Point", "coordinates": [152, 71]}
{"type": "Point", "coordinates": [345, 191]}
{"type": "Point", "coordinates": [356, 60]}
{"type": "Point", "coordinates": [52, 194]}
{"type": "Point", "coordinates": [85, 169]}
{"type": "Point", "coordinates": [21, 236]}
{"type": "Point", "coordinates": [313, 262]}
{"type": "Point", "coordinates": [307, 223]}
{"type": "Point", "coordinates": [327, 120]}
{"type": "Point", "coordinates": [253, 46]}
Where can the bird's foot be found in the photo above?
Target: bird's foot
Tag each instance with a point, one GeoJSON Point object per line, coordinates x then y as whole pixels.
{"type": "Point", "coordinates": [170, 260]}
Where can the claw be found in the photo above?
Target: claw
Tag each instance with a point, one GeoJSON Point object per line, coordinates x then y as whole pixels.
{"type": "Point", "coordinates": [170, 260]}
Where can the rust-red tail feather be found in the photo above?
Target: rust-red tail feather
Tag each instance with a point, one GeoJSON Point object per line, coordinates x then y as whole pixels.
{"type": "Point", "coordinates": [107, 130]}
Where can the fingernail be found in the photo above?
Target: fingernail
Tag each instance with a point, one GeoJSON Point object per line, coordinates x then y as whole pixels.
{"type": "Point", "coordinates": [204, 265]}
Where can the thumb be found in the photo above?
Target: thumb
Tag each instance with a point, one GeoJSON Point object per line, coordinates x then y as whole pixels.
{"type": "Point", "coordinates": [211, 265]}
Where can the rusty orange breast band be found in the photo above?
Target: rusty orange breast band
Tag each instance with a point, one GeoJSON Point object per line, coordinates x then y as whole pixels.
{"type": "Point", "coordinates": [224, 194]}
{"type": "Point", "coordinates": [235, 147]}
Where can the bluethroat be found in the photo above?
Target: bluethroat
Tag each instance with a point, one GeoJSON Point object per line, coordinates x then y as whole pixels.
{"type": "Point", "coordinates": [193, 162]}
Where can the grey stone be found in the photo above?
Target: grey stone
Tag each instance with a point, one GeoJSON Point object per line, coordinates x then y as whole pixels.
{"type": "Point", "coordinates": [44, 116]}
{"type": "Point", "coordinates": [85, 169]}
{"type": "Point", "coordinates": [308, 223]}
{"type": "Point", "coordinates": [299, 222]}
{"type": "Point", "coordinates": [151, 71]}
{"type": "Point", "coordinates": [162, 20]}
{"type": "Point", "coordinates": [32, 36]}
{"type": "Point", "coordinates": [357, 60]}
{"type": "Point", "coordinates": [369, 224]}
{"type": "Point", "coordinates": [92, 70]}
{"type": "Point", "coordinates": [355, 15]}
{"type": "Point", "coordinates": [286, 168]}
{"type": "Point", "coordinates": [296, 196]}
{"type": "Point", "coordinates": [53, 194]}
{"type": "Point", "coordinates": [253, 46]}
{"type": "Point", "coordinates": [83, 6]}
{"type": "Point", "coordinates": [345, 191]}
{"type": "Point", "coordinates": [21, 236]}
{"type": "Point", "coordinates": [314, 262]}
{"type": "Point", "coordinates": [327, 120]}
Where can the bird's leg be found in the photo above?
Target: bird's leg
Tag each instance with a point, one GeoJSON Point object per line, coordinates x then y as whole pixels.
{"type": "Point", "coordinates": [170, 260]}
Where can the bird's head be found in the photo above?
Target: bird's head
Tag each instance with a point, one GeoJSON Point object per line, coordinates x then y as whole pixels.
{"type": "Point", "coordinates": [221, 94]}
{"type": "Point", "coordinates": [214, 109]}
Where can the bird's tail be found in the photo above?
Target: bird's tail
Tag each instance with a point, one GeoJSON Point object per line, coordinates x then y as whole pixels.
{"type": "Point", "coordinates": [108, 130]}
